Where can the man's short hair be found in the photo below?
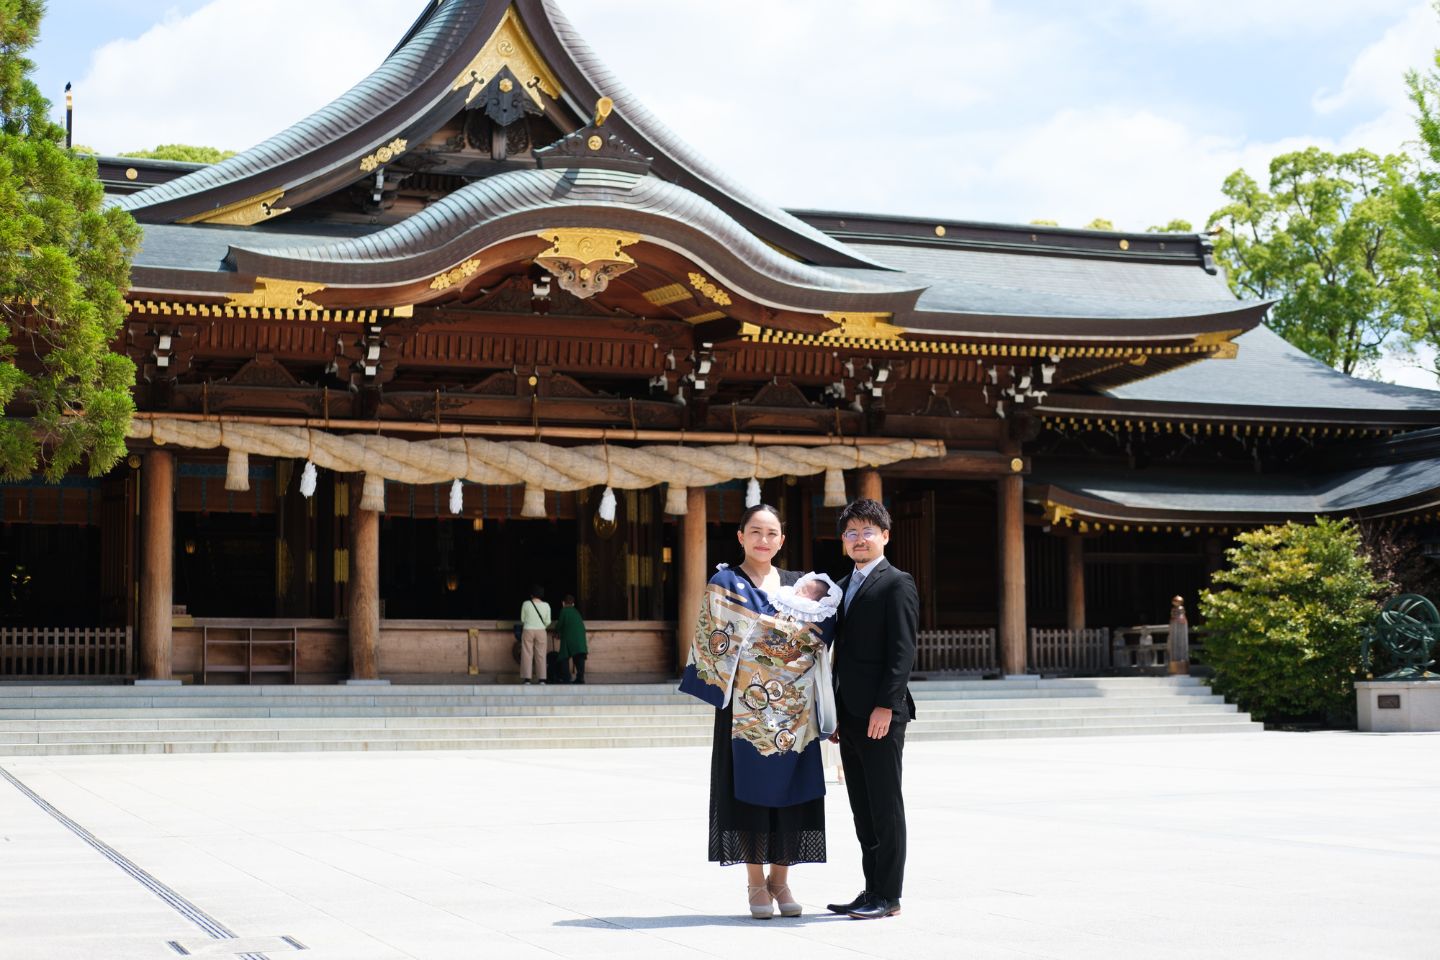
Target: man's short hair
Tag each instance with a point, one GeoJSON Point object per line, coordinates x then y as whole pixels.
{"type": "Point", "coordinates": [866, 511]}
{"type": "Point", "coordinates": [538, 592]}
{"type": "Point", "coordinates": [570, 599]}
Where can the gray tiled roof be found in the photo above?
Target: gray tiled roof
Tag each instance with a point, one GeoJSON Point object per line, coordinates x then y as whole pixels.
{"type": "Point", "coordinates": [1075, 276]}
{"type": "Point", "coordinates": [451, 229]}
{"type": "Point", "coordinates": [1269, 372]}
{"type": "Point", "coordinates": [1230, 492]}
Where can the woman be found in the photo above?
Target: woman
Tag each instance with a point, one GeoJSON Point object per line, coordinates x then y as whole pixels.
{"type": "Point", "coordinates": [762, 672]}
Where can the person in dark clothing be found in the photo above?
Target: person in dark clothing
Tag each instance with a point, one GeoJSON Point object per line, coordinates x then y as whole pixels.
{"type": "Point", "coordinates": [573, 648]}
{"type": "Point", "coordinates": [874, 654]}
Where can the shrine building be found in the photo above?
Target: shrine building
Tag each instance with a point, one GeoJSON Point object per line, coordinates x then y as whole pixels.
{"type": "Point", "coordinates": [484, 321]}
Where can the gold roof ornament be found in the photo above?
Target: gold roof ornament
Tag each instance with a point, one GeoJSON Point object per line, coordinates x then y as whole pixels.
{"type": "Point", "coordinates": [862, 326]}
{"type": "Point", "coordinates": [278, 294]}
{"type": "Point", "coordinates": [510, 46]}
{"type": "Point", "coordinates": [584, 260]}
{"type": "Point", "coordinates": [244, 213]}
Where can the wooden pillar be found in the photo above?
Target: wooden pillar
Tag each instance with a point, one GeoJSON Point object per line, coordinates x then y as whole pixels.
{"type": "Point", "coordinates": [692, 572]}
{"type": "Point", "coordinates": [157, 563]}
{"type": "Point", "coordinates": [1075, 582]}
{"type": "Point", "coordinates": [1012, 574]}
{"type": "Point", "coordinates": [363, 600]}
{"type": "Point", "coordinates": [869, 487]}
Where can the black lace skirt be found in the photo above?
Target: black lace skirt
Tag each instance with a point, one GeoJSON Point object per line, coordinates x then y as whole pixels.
{"type": "Point", "coordinates": [745, 833]}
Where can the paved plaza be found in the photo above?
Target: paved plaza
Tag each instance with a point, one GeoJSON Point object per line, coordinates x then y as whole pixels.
{"type": "Point", "coordinates": [1271, 846]}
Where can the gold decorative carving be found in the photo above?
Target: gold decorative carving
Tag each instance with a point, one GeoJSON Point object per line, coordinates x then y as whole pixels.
{"type": "Point", "coordinates": [244, 213]}
{"type": "Point", "coordinates": [509, 46]}
{"type": "Point", "coordinates": [702, 283]}
{"type": "Point", "coordinates": [664, 296]}
{"type": "Point", "coordinates": [940, 231]}
{"type": "Point", "coordinates": [595, 143]}
{"type": "Point", "coordinates": [1124, 244]}
{"type": "Point", "coordinates": [603, 107]}
{"type": "Point", "coordinates": [862, 326]}
{"type": "Point", "coordinates": [131, 173]}
{"type": "Point", "coordinates": [384, 155]}
{"type": "Point", "coordinates": [278, 294]}
{"type": "Point", "coordinates": [1220, 344]}
{"type": "Point", "coordinates": [705, 317]}
{"type": "Point", "coordinates": [460, 274]}
{"type": "Point", "coordinates": [506, 85]}
{"type": "Point", "coordinates": [585, 260]}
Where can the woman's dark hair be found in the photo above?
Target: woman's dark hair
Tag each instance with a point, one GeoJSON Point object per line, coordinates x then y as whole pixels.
{"type": "Point", "coordinates": [538, 592]}
{"type": "Point", "coordinates": [866, 511]}
{"type": "Point", "coordinates": [761, 508]}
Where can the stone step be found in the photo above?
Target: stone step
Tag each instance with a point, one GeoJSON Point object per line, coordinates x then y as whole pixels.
{"type": "Point", "coordinates": [685, 707]}
{"type": "Point", "coordinates": [156, 719]}
{"type": "Point", "coordinates": [353, 728]}
{"type": "Point", "coordinates": [537, 743]}
{"type": "Point", "coordinates": [184, 698]}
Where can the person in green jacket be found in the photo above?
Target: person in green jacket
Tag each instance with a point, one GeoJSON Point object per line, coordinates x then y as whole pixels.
{"type": "Point", "coordinates": [571, 629]}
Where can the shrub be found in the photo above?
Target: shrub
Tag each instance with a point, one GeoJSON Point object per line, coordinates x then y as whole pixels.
{"type": "Point", "coordinates": [1284, 623]}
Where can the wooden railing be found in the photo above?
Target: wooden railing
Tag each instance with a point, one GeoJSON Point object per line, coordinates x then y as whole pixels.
{"type": "Point", "coordinates": [1068, 651]}
{"type": "Point", "coordinates": [66, 652]}
{"type": "Point", "coordinates": [1143, 647]}
{"type": "Point", "coordinates": [956, 651]}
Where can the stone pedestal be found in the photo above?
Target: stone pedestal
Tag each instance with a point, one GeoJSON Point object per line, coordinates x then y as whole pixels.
{"type": "Point", "coordinates": [1398, 706]}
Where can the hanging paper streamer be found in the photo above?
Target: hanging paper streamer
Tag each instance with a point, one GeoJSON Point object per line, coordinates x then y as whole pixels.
{"type": "Point", "coordinates": [752, 493]}
{"type": "Point", "coordinates": [607, 506]}
{"type": "Point", "coordinates": [372, 497]}
{"type": "Point", "coordinates": [307, 480]}
{"type": "Point", "coordinates": [237, 470]}
{"type": "Point", "coordinates": [457, 496]}
{"type": "Point", "coordinates": [834, 488]}
{"type": "Point", "coordinates": [677, 500]}
{"type": "Point", "coordinates": [534, 505]}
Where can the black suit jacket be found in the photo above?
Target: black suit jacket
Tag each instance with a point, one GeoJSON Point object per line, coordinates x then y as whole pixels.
{"type": "Point", "coordinates": [875, 644]}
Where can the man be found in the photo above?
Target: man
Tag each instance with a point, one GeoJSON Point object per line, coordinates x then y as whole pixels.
{"type": "Point", "coordinates": [874, 653]}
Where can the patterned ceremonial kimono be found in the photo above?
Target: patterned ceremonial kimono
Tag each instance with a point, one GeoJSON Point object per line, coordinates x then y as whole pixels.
{"type": "Point", "coordinates": [769, 668]}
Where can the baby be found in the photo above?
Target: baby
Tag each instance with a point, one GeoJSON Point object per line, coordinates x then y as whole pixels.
{"type": "Point", "coordinates": [814, 598]}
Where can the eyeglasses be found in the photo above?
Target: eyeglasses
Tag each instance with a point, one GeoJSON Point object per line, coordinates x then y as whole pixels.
{"type": "Point", "coordinates": [869, 533]}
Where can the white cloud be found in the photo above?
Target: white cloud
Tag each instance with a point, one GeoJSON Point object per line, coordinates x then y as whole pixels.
{"type": "Point", "coordinates": [227, 75]}
{"type": "Point", "coordinates": [1376, 78]}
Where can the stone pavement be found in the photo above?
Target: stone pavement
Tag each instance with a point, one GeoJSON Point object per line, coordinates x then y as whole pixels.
{"type": "Point", "coordinates": [1271, 846]}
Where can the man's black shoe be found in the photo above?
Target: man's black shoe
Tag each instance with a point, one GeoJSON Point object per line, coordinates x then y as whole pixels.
{"type": "Point", "coordinates": [875, 909]}
{"type": "Point", "coordinates": [860, 900]}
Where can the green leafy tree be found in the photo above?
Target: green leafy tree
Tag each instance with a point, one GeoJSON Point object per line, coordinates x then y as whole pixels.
{"type": "Point", "coordinates": [1174, 226]}
{"type": "Point", "coordinates": [1324, 239]}
{"type": "Point", "coordinates": [1045, 223]}
{"type": "Point", "coordinates": [64, 267]}
{"type": "Point", "coordinates": [1099, 223]}
{"type": "Point", "coordinates": [1283, 624]}
{"type": "Point", "coordinates": [1419, 198]}
{"type": "Point", "coordinates": [183, 152]}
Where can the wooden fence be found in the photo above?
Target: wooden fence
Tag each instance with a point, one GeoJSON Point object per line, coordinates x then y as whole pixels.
{"type": "Point", "coordinates": [66, 652]}
{"type": "Point", "coordinates": [1068, 651]}
{"type": "Point", "coordinates": [956, 651]}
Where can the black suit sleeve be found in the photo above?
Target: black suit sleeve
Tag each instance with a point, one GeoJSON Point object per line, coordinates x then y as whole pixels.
{"type": "Point", "coordinates": [902, 620]}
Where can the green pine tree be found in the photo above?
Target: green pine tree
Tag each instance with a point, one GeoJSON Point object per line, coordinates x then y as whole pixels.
{"type": "Point", "coordinates": [64, 267]}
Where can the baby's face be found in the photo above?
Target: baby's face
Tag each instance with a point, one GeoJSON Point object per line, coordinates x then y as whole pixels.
{"type": "Point", "coordinates": [813, 590]}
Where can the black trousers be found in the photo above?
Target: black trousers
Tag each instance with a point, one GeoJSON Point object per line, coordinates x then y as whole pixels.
{"type": "Point", "coordinates": [579, 661]}
{"type": "Point", "coordinates": [872, 776]}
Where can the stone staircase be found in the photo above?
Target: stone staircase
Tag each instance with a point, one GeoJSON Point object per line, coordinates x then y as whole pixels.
{"type": "Point", "coordinates": [52, 720]}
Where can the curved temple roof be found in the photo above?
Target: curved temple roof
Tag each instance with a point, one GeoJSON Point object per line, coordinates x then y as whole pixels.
{"type": "Point", "coordinates": [414, 92]}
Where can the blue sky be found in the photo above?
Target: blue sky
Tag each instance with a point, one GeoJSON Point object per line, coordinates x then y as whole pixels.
{"type": "Point", "coordinates": [1133, 110]}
